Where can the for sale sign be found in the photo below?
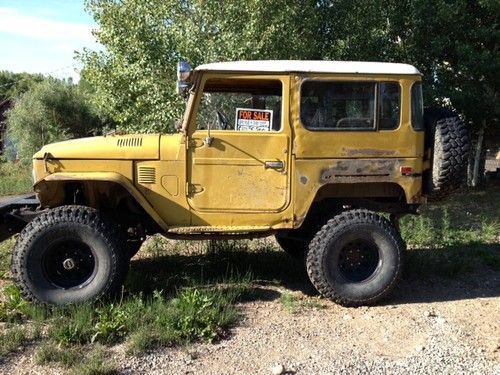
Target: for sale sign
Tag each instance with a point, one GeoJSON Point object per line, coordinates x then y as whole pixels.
{"type": "Point", "coordinates": [253, 119]}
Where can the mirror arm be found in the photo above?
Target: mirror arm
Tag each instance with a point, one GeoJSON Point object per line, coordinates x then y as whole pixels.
{"type": "Point", "coordinates": [208, 138]}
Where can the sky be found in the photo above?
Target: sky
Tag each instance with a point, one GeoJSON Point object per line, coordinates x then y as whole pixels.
{"type": "Point", "coordinates": [41, 36]}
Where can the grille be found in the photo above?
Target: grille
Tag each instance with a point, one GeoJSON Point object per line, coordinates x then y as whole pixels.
{"type": "Point", "coordinates": [129, 142]}
{"type": "Point", "coordinates": [147, 175]}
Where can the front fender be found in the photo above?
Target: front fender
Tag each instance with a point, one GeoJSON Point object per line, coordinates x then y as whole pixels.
{"type": "Point", "coordinates": [43, 188]}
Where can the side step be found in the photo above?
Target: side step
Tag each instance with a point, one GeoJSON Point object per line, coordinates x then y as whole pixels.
{"type": "Point", "coordinates": [222, 232]}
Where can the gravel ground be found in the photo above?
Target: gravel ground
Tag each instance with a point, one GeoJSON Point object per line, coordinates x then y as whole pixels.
{"type": "Point", "coordinates": [433, 326]}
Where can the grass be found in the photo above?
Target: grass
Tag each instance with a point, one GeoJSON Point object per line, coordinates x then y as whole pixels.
{"type": "Point", "coordinates": [15, 178]}
{"type": "Point", "coordinates": [5, 249]}
{"type": "Point", "coordinates": [456, 236]}
{"type": "Point", "coordinates": [49, 352]}
{"type": "Point", "coordinates": [179, 292]}
{"type": "Point", "coordinates": [13, 339]}
{"type": "Point", "coordinates": [295, 303]}
{"type": "Point", "coordinates": [76, 358]}
{"type": "Point", "coordinates": [466, 219]}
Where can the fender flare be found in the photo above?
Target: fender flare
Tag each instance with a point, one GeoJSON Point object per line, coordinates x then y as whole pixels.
{"type": "Point", "coordinates": [108, 177]}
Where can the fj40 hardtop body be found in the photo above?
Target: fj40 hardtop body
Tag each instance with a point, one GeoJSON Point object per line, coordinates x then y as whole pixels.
{"type": "Point", "coordinates": [313, 152]}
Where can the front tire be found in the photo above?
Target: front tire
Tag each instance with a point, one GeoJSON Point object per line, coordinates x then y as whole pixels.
{"type": "Point", "coordinates": [70, 254]}
{"type": "Point", "coordinates": [356, 258]}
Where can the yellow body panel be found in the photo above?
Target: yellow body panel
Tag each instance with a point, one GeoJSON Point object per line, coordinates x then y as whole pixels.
{"type": "Point", "coordinates": [126, 147]}
{"type": "Point", "coordinates": [182, 181]}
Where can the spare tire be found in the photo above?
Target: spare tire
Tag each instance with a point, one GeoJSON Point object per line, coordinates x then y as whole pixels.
{"type": "Point", "coordinates": [447, 137]}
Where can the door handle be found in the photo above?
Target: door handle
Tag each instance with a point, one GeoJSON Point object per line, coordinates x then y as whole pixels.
{"type": "Point", "coordinates": [272, 164]}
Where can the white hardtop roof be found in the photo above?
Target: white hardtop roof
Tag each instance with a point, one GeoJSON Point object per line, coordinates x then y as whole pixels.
{"type": "Point", "coordinates": [310, 66]}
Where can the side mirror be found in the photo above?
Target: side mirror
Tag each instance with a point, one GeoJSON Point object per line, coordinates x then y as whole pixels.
{"type": "Point", "coordinates": [183, 88]}
{"type": "Point", "coordinates": [184, 71]}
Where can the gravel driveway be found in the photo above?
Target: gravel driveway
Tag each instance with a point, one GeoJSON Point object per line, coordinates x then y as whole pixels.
{"type": "Point", "coordinates": [439, 326]}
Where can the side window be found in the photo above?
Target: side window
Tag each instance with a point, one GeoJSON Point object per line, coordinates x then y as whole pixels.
{"type": "Point", "coordinates": [417, 107]}
{"type": "Point", "coordinates": [241, 105]}
{"type": "Point", "coordinates": [390, 102]}
{"type": "Point", "coordinates": [338, 105]}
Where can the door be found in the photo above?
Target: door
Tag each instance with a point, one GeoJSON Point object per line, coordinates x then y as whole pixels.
{"type": "Point", "coordinates": [238, 155]}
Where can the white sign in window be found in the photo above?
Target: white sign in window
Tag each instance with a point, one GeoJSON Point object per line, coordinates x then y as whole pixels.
{"type": "Point", "coordinates": [248, 119]}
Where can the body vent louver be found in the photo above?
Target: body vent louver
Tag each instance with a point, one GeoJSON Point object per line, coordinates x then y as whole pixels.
{"type": "Point", "coordinates": [147, 175]}
{"type": "Point", "coordinates": [129, 142]}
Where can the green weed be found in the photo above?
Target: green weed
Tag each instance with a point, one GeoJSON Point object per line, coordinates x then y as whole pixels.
{"type": "Point", "coordinates": [5, 251]}
{"type": "Point", "coordinates": [96, 363]}
{"type": "Point", "coordinates": [294, 303]}
{"type": "Point", "coordinates": [111, 324]}
{"type": "Point", "coordinates": [15, 178]}
{"type": "Point", "coordinates": [49, 352]}
{"type": "Point", "coordinates": [13, 339]}
{"type": "Point", "coordinates": [200, 314]}
{"type": "Point", "coordinates": [13, 307]}
{"type": "Point", "coordinates": [73, 324]}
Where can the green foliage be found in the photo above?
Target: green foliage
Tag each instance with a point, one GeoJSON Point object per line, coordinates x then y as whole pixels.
{"type": "Point", "coordinates": [198, 314]}
{"type": "Point", "coordinates": [50, 111]}
{"type": "Point", "coordinates": [5, 250]}
{"type": "Point", "coordinates": [111, 324]}
{"type": "Point", "coordinates": [135, 77]}
{"type": "Point", "coordinates": [467, 219]}
{"type": "Point", "coordinates": [13, 85]}
{"type": "Point", "coordinates": [13, 307]}
{"type": "Point", "coordinates": [455, 45]}
{"type": "Point", "coordinates": [73, 325]}
{"type": "Point", "coordinates": [15, 178]}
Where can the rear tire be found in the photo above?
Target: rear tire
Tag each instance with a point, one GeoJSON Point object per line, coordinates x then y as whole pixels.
{"type": "Point", "coordinates": [68, 255]}
{"type": "Point", "coordinates": [356, 258]}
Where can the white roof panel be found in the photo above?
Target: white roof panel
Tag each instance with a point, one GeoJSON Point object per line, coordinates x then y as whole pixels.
{"type": "Point", "coordinates": [310, 66]}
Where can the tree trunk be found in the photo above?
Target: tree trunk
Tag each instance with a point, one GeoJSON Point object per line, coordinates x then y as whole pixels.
{"type": "Point", "coordinates": [478, 158]}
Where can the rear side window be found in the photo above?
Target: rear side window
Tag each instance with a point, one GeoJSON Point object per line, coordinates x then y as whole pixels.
{"type": "Point", "coordinates": [417, 107]}
{"type": "Point", "coordinates": [331, 105]}
{"type": "Point", "coordinates": [338, 105]}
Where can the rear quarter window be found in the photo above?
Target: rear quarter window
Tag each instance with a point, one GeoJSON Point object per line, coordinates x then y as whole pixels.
{"type": "Point", "coordinates": [417, 107]}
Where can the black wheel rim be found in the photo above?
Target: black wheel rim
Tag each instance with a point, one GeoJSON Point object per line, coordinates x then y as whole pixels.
{"type": "Point", "coordinates": [358, 260]}
{"type": "Point", "coordinates": [69, 264]}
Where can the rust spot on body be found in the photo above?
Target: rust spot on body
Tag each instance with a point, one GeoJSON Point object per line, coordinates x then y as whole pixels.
{"type": "Point", "coordinates": [360, 170]}
{"type": "Point", "coordinates": [367, 151]}
{"type": "Point", "coordinates": [303, 180]}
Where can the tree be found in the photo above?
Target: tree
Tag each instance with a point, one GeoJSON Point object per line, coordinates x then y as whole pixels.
{"type": "Point", "coordinates": [12, 85]}
{"type": "Point", "coordinates": [50, 111]}
{"type": "Point", "coordinates": [134, 76]}
{"type": "Point", "coordinates": [453, 43]}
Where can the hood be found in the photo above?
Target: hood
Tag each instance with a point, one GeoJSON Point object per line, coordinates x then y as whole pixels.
{"type": "Point", "coordinates": [136, 147]}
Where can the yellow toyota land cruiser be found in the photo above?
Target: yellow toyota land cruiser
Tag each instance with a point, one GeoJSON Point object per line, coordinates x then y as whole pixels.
{"type": "Point", "coordinates": [324, 155]}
